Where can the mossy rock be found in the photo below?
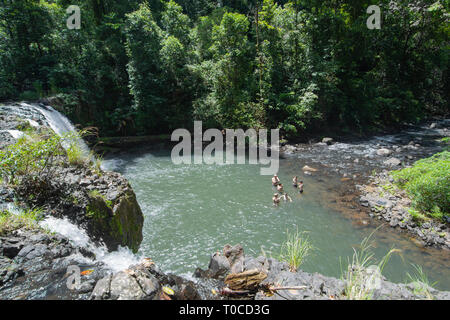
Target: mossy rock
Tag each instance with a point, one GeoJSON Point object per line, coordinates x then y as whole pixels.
{"type": "Point", "coordinates": [117, 223]}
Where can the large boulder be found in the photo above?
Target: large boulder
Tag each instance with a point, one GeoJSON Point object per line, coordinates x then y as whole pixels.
{"type": "Point", "coordinates": [392, 162]}
{"type": "Point", "coordinates": [383, 152]}
{"type": "Point", "coordinates": [116, 222]}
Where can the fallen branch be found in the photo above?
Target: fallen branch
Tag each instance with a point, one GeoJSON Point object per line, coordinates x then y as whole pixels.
{"type": "Point", "coordinates": [228, 292]}
{"type": "Point", "coordinates": [287, 288]}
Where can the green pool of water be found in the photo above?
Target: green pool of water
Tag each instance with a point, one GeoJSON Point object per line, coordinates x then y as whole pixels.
{"type": "Point", "coordinates": [192, 211]}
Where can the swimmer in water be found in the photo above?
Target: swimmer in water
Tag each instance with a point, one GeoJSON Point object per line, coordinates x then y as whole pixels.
{"type": "Point", "coordinates": [275, 180]}
{"type": "Point", "coordinates": [286, 198]}
{"type": "Point", "coordinates": [280, 188]}
{"type": "Point", "coordinates": [300, 187]}
{"type": "Point", "coordinates": [276, 199]}
{"type": "Point", "coordinates": [295, 182]}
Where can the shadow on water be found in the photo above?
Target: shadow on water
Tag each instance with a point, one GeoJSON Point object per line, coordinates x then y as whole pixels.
{"type": "Point", "coordinates": [192, 211]}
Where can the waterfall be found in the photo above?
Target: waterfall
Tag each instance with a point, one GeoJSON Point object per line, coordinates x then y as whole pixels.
{"type": "Point", "coordinates": [59, 123]}
{"type": "Point", "coordinates": [117, 260]}
{"type": "Point", "coordinates": [16, 134]}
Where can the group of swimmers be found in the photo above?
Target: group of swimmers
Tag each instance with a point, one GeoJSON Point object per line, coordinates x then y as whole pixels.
{"type": "Point", "coordinates": [281, 195]}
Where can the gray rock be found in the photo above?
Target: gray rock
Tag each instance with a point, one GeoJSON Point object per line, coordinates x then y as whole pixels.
{"type": "Point", "coordinates": [383, 152]}
{"type": "Point", "coordinates": [125, 287]}
{"type": "Point", "coordinates": [393, 162]}
{"type": "Point", "coordinates": [102, 290]}
{"type": "Point", "coordinates": [219, 266]}
{"type": "Point", "coordinates": [11, 250]}
{"type": "Point", "coordinates": [25, 251]}
{"type": "Point", "coordinates": [235, 256]}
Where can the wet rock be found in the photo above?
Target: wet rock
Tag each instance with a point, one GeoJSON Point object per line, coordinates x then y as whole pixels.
{"type": "Point", "coordinates": [39, 269]}
{"type": "Point", "coordinates": [11, 250]}
{"type": "Point", "coordinates": [328, 141]}
{"type": "Point", "coordinates": [309, 169]}
{"type": "Point", "coordinates": [125, 287]}
{"type": "Point", "coordinates": [102, 289]}
{"type": "Point", "coordinates": [384, 152]}
{"type": "Point", "coordinates": [219, 266]}
{"type": "Point", "coordinates": [235, 256]}
{"type": "Point", "coordinates": [393, 162]}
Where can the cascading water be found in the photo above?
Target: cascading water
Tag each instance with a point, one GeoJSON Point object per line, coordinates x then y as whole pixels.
{"type": "Point", "coordinates": [59, 123]}
{"type": "Point", "coordinates": [117, 260]}
{"type": "Point", "coordinates": [16, 134]}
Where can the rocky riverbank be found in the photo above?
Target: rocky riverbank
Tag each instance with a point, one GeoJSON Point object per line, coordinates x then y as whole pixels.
{"type": "Point", "coordinates": [390, 204]}
{"type": "Point", "coordinates": [364, 166]}
{"type": "Point", "coordinates": [269, 279]}
{"type": "Point", "coordinates": [34, 265]}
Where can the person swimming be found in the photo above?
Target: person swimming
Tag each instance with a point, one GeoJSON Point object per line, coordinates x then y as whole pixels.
{"type": "Point", "coordinates": [276, 199]}
{"type": "Point", "coordinates": [286, 198]}
{"type": "Point", "coordinates": [295, 182]}
{"type": "Point", "coordinates": [275, 180]}
{"type": "Point", "coordinates": [280, 188]}
{"type": "Point", "coordinates": [300, 187]}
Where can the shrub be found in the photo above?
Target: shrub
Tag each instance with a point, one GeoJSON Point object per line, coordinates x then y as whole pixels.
{"type": "Point", "coordinates": [31, 157]}
{"type": "Point", "coordinates": [427, 182]}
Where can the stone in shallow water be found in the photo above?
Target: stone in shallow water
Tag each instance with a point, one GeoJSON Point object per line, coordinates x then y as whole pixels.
{"type": "Point", "coordinates": [393, 162]}
{"type": "Point", "coordinates": [383, 152]}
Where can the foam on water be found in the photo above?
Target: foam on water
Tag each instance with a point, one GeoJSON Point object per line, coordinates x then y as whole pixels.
{"type": "Point", "coordinates": [16, 134]}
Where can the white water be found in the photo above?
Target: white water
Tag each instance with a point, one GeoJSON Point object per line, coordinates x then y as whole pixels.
{"type": "Point", "coordinates": [16, 134]}
{"type": "Point", "coordinates": [59, 123]}
{"type": "Point", "coordinates": [116, 261]}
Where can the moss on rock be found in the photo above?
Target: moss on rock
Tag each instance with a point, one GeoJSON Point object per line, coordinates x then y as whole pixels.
{"type": "Point", "coordinates": [117, 223]}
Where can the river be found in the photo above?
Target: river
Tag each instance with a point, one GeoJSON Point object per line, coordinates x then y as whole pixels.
{"type": "Point", "coordinates": [192, 211]}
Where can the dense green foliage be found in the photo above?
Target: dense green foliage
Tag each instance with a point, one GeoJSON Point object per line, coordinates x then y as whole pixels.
{"type": "Point", "coordinates": [146, 67]}
{"type": "Point", "coordinates": [30, 158]}
{"type": "Point", "coordinates": [427, 182]}
{"type": "Point", "coordinates": [36, 156]}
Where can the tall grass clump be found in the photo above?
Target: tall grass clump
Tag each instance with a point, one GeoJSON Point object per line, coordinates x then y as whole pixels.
{"type": "Point", "coordinates": [421, 283]}
{"type": "Point", "coordinates": [427, 183]}
{"type": "Point", "coordinates": [364, 270]}
{"type": "Point", "coordinates": [295, 250]}
{"type": "Point", "coordinates": [75, 155]}
{"type": "Point", "coordinates": [26, 219]}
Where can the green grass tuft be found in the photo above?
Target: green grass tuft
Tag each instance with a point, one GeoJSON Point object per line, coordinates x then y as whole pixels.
{"type": "Point", "coordinates": [27, 219]}
{"type": "Point", "coordinates": [295, 250]}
